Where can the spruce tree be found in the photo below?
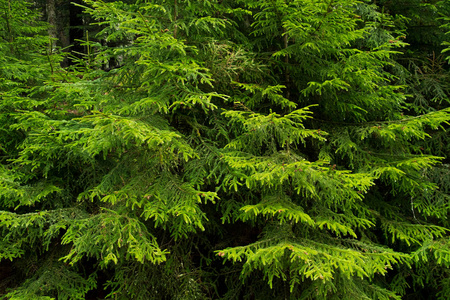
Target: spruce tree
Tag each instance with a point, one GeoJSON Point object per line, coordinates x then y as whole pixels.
{"type": "Point", "coordinates": [259, 149]}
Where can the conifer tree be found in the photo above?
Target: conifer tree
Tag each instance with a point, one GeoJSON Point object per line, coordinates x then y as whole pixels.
{"type": "Point", "coordinates": [259, 149]}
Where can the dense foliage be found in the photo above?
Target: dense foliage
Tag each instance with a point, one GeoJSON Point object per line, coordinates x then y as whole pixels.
{"type": "Point", "coordinates": [226, 149]}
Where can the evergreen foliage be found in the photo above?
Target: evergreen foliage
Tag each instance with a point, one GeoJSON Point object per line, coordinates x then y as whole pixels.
{"type": "Point", "coordinates": [258, 149]}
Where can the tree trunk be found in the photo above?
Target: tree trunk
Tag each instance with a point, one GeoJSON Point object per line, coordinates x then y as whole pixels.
{"type": "Point", "coordinates": [58, 12]}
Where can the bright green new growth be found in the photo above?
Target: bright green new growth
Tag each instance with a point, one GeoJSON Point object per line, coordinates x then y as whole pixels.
{"type": "Point", "coordinates": [219, 149]}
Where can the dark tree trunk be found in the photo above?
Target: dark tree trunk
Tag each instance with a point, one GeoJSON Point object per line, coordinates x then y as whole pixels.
{"type": "Point", "coordinates": [65, 26]}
